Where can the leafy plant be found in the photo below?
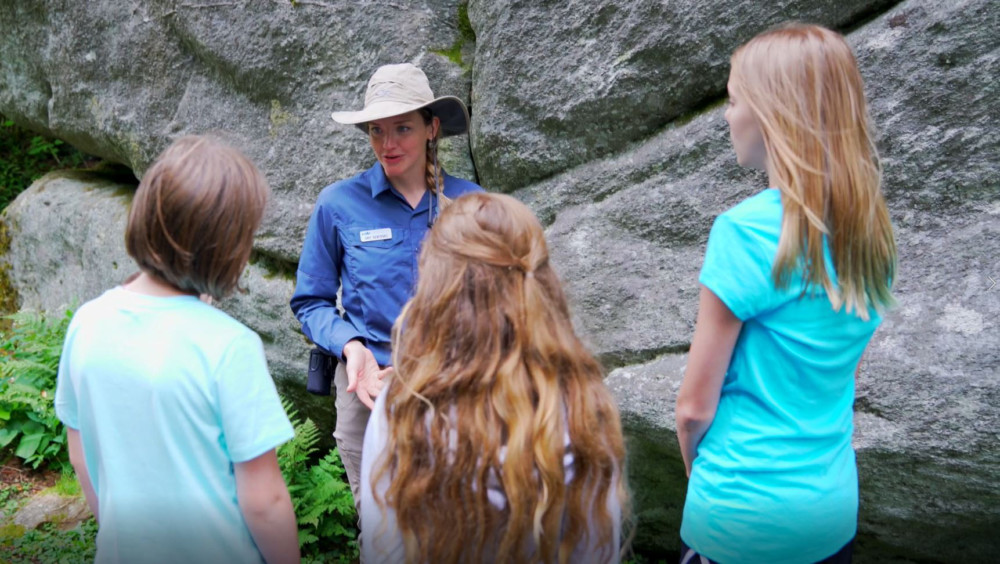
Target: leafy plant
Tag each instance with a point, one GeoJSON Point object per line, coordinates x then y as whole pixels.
{"type": "Point", "coordinates": [10, 495]}
{"type": "Point", "coordinates": [321, 496]}
{"type": "Point", "coordinates": [48, 543]}
{"type": "Point", "coordinates": [293, 456]}
{"type": "Point", "coordinates": [25, 156]}
{"type": "Point", "coordinates": [29, 362]}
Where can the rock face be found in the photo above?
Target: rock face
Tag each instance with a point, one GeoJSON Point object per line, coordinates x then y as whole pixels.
{"type": "Point", "coordinates": [68, 512]}
{"type": "Point", "coordinates": [557, 84]}
{"type": "Point", "coordinates": [122, 81]}
{"type": "Point", "coordinates": [55, 261]}
{"type": "Point", "coordinates": [576, 110]}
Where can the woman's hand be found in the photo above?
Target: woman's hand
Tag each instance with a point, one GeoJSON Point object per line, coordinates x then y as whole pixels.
{"type": "Point", "coordinates": [364, 376]}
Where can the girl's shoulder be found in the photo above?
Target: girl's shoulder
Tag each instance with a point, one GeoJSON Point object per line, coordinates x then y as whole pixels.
{"type": "Point", "coordinates": [764, 205]}
{"type": "Point", "coordinates": [757, 217]}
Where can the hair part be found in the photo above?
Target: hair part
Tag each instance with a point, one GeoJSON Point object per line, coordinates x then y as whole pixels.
{"type": "Point", "coordinates": [193, 217]}
{"type": "Point", "coordinates": [804, 88]}
{"type": "Point", "coordinates": [490, 381]}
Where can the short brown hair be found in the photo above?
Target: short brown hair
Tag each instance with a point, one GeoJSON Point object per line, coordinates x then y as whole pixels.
{"type": "Point", "coordinates": [194, 216]}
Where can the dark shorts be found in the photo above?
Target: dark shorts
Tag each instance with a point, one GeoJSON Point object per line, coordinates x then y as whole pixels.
{"type": "Point", "coordinates": [843, 556]}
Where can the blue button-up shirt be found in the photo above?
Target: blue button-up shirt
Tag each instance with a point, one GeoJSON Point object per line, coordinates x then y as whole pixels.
{"type": "Point", "coordinates": [365, 237]}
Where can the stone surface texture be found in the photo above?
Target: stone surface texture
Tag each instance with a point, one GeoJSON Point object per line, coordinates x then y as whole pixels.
{"type": "Point", "coordinates": [122, 80]}
{"type": "Point", "coordinates": [557, 84]}
{"type": "Point", "coordinates": [606, 118]}
{"type": "Point", "coordinates": [67, 512]}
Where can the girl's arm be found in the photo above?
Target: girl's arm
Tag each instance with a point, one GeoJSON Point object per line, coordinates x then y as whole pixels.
{"type": "Point", "coordinates": [715, 334]}
{"type": "Point", "coordinates": [381, 539]}
{"type": "Point", "coordinates": [80, 466]}
{"type": "Point", "coordinates": [267, 508]}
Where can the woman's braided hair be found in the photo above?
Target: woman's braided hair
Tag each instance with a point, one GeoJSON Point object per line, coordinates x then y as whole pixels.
{"type": "Point", "coordinates": [433, 174]}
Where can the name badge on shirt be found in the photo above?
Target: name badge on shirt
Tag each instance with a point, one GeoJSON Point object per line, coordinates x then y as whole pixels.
{"type": "Point", "coordinates": [376, 235]}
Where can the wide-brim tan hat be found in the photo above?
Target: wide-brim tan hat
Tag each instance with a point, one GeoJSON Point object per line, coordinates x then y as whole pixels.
{"type": "Point", "coordinates": [403, 88]}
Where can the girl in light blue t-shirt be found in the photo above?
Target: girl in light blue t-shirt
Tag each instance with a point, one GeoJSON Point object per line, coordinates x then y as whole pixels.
{"type": "Point", "coordinates": [172, 417]}
{"type": "Point", "coordinates": [793, 282]}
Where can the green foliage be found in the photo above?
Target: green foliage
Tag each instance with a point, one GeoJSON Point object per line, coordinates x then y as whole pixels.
{"type": "Point", "coordinates": [321, 496]}
{"type": "Point", "coordinates": [293, 456]}
{"type": "Point", "coordinates": [25, 156]}
{"type": "Point", "coordinates": [48, 543]}
{"type": "Point", "coordinates": [465, 24]}
{"type": "Point", "coordinates": [10, 495]}
{"type": "Point", "coordinates": [67, 485]}
{"type": "Point", "coordinates": [29, 361]}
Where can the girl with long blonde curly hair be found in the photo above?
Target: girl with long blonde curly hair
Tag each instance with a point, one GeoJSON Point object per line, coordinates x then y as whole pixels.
{"type": "Point", "coordinates": [793, 284]}
{"type": "Point", "coordinates": [497, 439]}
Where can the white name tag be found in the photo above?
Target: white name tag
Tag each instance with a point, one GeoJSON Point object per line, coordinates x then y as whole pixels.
{"type": "Point", "coordinates": [376, 235]}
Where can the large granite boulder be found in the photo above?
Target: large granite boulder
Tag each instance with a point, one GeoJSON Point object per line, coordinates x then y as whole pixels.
{"type": "Point", "coordinates": [558, 84]}
{"type": "Point", "coordinates": [576, 110]}
{"type": "Point", "coordinates": [122, 80]}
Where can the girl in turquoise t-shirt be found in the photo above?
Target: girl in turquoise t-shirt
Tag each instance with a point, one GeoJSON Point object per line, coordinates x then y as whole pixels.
{"type": "Point", "coordinates": [793, 282]}
{"type": "Point", "coordinates": [172, 417]}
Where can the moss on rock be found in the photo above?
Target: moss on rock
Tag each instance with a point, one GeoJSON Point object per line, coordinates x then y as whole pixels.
{"type": "Point", "coordinates": [9, 298]}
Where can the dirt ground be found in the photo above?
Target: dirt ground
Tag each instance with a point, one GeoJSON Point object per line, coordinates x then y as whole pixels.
{"type": "Point", "coordinates": [22, 481]}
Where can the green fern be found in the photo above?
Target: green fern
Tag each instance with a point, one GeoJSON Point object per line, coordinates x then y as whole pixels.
{"type": "Point", "coordinates": [293, 456]}
{"type": "Point", "coordinates": [321, 496]}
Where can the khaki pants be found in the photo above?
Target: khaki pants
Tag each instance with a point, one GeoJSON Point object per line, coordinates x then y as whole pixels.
{"type": "Point", "coordinates": [352, 418]}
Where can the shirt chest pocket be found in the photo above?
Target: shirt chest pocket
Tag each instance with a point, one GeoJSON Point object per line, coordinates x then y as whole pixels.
{"type": "Point", "coordinates": [379, 257]}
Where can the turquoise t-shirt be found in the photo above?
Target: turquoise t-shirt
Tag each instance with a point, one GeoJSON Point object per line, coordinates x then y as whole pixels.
{"type": "Point", "coordinates": [167, 393]}
{"type": "Point", "coordinates": [775, 479]}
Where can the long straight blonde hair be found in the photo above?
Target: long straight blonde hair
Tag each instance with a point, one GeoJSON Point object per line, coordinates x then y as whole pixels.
{"type": "Point", "coordinates": [490, 382]}
{"type": "Point", "coordinates": [803, 86]}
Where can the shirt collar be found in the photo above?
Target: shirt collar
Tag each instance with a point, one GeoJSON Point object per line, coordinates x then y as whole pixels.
{"type": "Point", "coordinates": [379, 184]}
{"type": "Point", "coordinates": [377, 180]}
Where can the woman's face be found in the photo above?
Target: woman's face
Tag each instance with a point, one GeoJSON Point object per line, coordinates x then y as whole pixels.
{"type": "Point", "coordinates": [748, 141]}
{"type": "Point", "coordinates": [400, 143]}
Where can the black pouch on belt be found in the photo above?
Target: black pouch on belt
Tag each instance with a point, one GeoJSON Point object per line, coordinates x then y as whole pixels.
{"type": "Point", "coordinates": [321, 368]}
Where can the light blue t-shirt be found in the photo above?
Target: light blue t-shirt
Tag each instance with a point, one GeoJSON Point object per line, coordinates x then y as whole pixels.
{"type": "Point", "coordinates": [775, 479]}
{"type": "Point", "coordinates": [167, 394]}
